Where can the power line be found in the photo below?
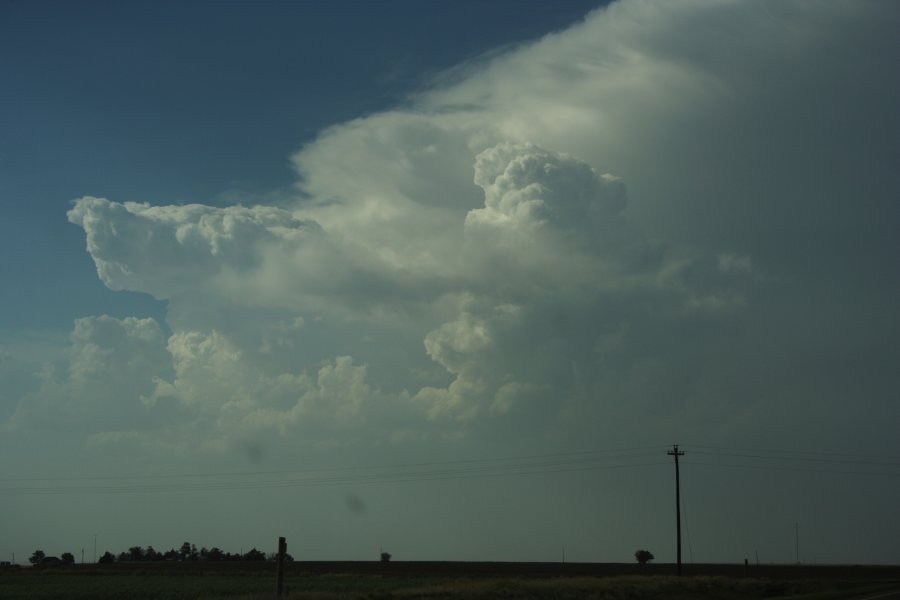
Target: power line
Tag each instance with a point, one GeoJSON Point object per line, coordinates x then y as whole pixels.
{"type": "Point", "coordinates": [783, 452]}
{"type": "Point", "coordinates": [793, 469]}
{"type": "Point", "coordinates": [399, 474]}
{"type": "Point", "coordinates": [796, 458]}
{"type": "Point", "coordinates": [233, 486]}
{"type": "Point", "coordinates": [522, 465]}
{"type": "Point", "coordinates": [586, 455]}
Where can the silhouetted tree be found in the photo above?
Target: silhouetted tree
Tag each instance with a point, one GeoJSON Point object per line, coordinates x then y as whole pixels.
{"type": "Point", "coordinates": [106, 558]}
{"type": "Point", "coordinates": [67, 558]}
{"type": "Point", "coordinates": [214, 554]}
{"type": "Point", "coordinates": [171, 554]}
{"type": "Point", "coordinates": [188, 551]}
{"type": "Point", "coordinates": [135, 553]}
{"type": "Point", "coordinates": [385, 557]}
{"type": "Point", "coordinates": [37, 557]}
{"type": "Point", "coordinates": [643, 556]}
{"type": "Point", "coordinates": [254, 554]}
{"type": "Point", "coordinates": [273, 556]}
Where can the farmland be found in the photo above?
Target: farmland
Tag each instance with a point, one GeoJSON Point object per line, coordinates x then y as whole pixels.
{"type": "Point", "coordinates": [323, 580]}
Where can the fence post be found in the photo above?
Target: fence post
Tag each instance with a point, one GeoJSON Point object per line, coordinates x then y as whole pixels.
{"type": "Point", "coordinates": [279, 577]}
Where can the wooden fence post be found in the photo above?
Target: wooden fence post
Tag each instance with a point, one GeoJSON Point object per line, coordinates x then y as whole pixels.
{"type": "Point", "coordinates": [279, 577]}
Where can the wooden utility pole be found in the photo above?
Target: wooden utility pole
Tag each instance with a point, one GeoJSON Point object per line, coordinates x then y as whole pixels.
{"type": "Point", "coordinates": [676, 453]}
{"type": "Point", "coordinates": [279, 577]}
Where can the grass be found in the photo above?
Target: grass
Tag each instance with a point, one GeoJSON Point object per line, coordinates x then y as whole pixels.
{"type": "Point", "coordinates": [47, 586]}
{"type": "Point", "coordinates": [605, 588]}
{"type": "Point", "coordinates": [185, 585]}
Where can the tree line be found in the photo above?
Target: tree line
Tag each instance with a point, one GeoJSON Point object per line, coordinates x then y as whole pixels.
{"type": "Point", "coordinates": [186, 552]}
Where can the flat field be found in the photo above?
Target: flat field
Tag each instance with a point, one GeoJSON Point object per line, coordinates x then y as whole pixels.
{"type": "Point", "coordinates": [438, 580]}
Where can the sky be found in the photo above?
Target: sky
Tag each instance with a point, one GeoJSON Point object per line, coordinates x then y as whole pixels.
{"type": "Point", "coordinates": [449, 279]}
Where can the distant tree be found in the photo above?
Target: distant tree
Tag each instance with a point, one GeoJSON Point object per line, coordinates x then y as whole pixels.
{"type": "Point", "coordinates": [151, 554]}
{"type": "Point", "coordinates": [643, 556]}
{"type": "Point", "coordinates": [188, 551]}
{"type": "Point", "coordinates": [171, 554]}
{"type": "Point", "coordinates": [135, 553]}
{"type": "Point", "coordinates": [37, 557]}
{"type": "Point", "coordinates": [273, 557]}
{"type": "Point", "coordinates": [254, 554]}
{"type": "Point", "coordinates": [214, 554]}
{"type": "Point", "coordinates": [67, 558]}
{"type": "Point", "coordinates": [106, 558]}
{"type": "Point", "coordinates": [385, 557]}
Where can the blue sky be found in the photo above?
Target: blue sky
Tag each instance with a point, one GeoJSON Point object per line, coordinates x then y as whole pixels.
{"type": "Point", "coordinates": [435, 270]}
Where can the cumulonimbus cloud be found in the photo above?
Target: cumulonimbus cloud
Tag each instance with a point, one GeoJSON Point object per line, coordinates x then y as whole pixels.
{"type": "Point", "coordinates": [610, 214]}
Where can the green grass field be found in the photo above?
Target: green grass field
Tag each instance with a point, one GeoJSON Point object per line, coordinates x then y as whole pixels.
{"type": "Point", "coordinates": [183, 581]}
{"type": "Point", "coordinates": [180, 583]}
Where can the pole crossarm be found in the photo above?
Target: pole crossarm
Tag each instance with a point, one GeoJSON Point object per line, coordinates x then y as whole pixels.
{"type": "Point", "coordinates": [675, 452]}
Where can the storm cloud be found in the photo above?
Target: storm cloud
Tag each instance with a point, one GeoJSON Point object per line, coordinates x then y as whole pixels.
{"type": "Point", "coordinates": [569, 227]}
{"type": "Point", "coordinates": [673, 220]}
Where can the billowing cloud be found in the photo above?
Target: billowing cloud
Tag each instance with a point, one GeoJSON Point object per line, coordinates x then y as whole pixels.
{"type": "Point", "coordinates": [630, 217]}
{"type": "Point", "coordinates": [536, 276]}
{"type": "Point", "coordinates": [526, 186]}
{"type": "Point", "coordinates": [111, 367]}
{"type": "Point", "coordinates": [167, 251]}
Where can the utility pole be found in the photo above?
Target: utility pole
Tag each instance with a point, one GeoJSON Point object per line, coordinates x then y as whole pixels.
{"type": "Point", "coordinates": [676, 453]}
{"type": "Point", "coordinates": [797, 541]}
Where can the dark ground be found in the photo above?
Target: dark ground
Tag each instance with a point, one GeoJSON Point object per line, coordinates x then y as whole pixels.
{"type": "Point", "coordinates": [445, 580]}
{"type": "Point", "coordinates": [517, 569]}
